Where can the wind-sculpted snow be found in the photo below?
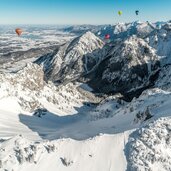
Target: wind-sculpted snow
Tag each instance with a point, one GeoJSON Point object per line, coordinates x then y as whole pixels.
{"type": "Point", "coordinates": [150, 147]}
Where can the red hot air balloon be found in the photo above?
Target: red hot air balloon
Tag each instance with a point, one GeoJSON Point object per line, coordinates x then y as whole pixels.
{"type": "Point", "coordinates": [18, 31]}
{"type": "Point", "coordinates": [107, 36]}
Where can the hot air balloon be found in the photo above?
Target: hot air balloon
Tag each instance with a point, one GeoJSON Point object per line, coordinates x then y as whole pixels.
{"type": "Point", "coordinates": [107, 36]}
{"type": "Point", "coordinates": [119, 13]}
{"type": "Point", "coordinates": [137, 12]}
{"type": "Point", "coordinates": [18, 31]}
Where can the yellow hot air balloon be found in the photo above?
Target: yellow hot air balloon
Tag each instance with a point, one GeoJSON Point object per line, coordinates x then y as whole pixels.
{"type": "Point", "coordinates": [119, 13]}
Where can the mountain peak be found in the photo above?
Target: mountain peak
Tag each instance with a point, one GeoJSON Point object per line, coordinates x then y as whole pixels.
{"type": "Point", "coordinates": [89, 34]}
{"type": "Point", "coordinates": [74, 58]}
{"type": "Point", "coordinates": [88, 40]}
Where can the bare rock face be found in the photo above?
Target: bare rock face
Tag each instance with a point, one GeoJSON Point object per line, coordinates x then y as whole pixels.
{"type": "Point", "coordinates": [128, 66]}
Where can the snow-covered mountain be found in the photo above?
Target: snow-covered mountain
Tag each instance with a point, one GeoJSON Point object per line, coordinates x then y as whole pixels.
{"type": "Point", "coordinates": [128, 66]}
{"type": "Point", "coordinates": [89, 104]}
{"type": "Point", "coordinates": [124, 30]}
{"type": "Point", "coordinates": [130, 63]}
{"type": "Point", "coordinates": [73, 59]}
{"type": "Point", "coordinates": [119, 30]}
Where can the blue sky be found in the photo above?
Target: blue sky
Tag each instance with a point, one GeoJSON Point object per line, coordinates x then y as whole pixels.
{"type": "Point", "coordinates": [82, 11]}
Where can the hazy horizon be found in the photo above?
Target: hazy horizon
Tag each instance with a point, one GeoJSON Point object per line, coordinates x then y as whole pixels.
{"type": "Point", "coordinates": [79, 12]}
{"type": "Point", "coordinates": [64, 25]}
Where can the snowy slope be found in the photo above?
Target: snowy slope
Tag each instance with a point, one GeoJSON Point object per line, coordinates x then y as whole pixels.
{"type": "Point", "coordinates": [23, 93]}
{"type": "Point", "coordinates": [161, 41]}
{"type": "Point", "coordinates": [32, 92]}
{"type": "Point", "coordinates": [65, 154]}
{"type": "Point", "coordinates": [19, 153]}
{"type": "Point", "coordinates": [163, 80]}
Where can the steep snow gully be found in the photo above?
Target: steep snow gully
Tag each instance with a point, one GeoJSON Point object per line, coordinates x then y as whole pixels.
{"type": "Point", "coordinates": [90, 104]}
